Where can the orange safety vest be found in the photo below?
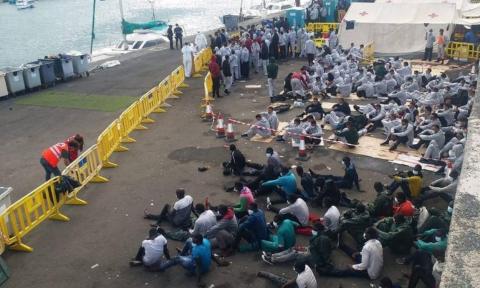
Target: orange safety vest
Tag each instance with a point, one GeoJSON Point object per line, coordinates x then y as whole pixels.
{"type": "Point", "coordinates": [53, 154]}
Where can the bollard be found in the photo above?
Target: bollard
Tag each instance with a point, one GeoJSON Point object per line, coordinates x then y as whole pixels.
{"type": "Point", "coordinates": [230, 133]}
{"type": "Point", "coordinates": [302, 152]}
{"type": "Point", "coordinates": [220, 127]}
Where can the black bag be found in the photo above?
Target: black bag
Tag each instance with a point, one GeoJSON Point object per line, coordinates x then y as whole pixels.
{"type": "Point", "coordinates": [66, 185]}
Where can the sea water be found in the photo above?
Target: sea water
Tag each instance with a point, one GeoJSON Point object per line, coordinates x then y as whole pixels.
{"type": "Point", "coordinates": [55, 26]}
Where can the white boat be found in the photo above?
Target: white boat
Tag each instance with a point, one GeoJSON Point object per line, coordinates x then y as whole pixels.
{"type": "Point", "coordinates": [271, 7]}
{"type": "Point", "coordinates": [24, 4]}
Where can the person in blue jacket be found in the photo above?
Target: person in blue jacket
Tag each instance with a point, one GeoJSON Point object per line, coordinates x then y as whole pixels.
{"type": "Point", "coordinates": [252, 228]}
{"type": "Point", "coordinates": [284, 185]}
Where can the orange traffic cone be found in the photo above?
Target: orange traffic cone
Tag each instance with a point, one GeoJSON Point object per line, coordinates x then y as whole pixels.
{"type": "Point", "coordinates": [302, 152]}
{"type": "Point", "coordinates": [220, 127]}
{"type": "Point", "coordinates": [230, 133]}
{"type": "Point", "coordinates": [208, 112]}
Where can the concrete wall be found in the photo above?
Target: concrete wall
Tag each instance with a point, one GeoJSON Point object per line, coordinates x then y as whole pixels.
{"type": "Point", "coordinates": [463, 254]}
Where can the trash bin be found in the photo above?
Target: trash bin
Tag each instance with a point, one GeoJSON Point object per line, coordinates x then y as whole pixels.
{"type": "Point", "coordinates": [14, 79]}
{"type": "Point", "coordinates": [231, 22]}
{"type": "Point", "coordinates": [31, 75]}
{"type": "Point", "coordinates": [47, 72]}
{"type": "Point", "coordinates": [63, 67]}
{"type": "Point", "coordinates": [3, 85]}
{"type": "Point", "coordinates": [295, 17]}
{"type": "Point", "coordinates": [80, 63]}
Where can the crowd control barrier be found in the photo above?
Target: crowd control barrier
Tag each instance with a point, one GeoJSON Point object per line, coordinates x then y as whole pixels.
{"type": "Point", "coordinates": [149, 103]}
{"type": "Point", "coordinates": [322, 27]}
{"type": "Point", "coordinates": [130, 119]}
{"type": "Point", "coordinates": [28, 212]}
{"type": "Point", "coordinates": [462, 51]}
{"type": "Point", "coordinates": [178, 79]}
{"type": "Point", "coordinates": [319, 42]}
{"type": "Point", "coordinates": [109, 142]}
{"type": "Point", "coordinates": [206, 57]}
{"type": "Point", "coordinates": [197, 66]}
{"type": "Point", "coordinates": [85, 169]}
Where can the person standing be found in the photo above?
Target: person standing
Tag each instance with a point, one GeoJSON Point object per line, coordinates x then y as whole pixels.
{"type": "Point", "coordinates": [245, 62]}
{"type": "Point", "coordinates": [215, 73]}
{"type": "Point", "coordinates": [200, 41]}
{"type": "Point", "coordinates": [170, 36]}
{"type": "Point", "coordinates": [272, 73]}
{"type": "Point", "coordinates": [310, 50]}
{"type": "Point", "coordinates": [442, 43]}
{"type": "Point", "coordinates": [264, 57]}
{"type": "Point", "coordinates": [227, 74]}
{"type": "Point", "coordinates": [178, 36]}
{"type": "Point", "coordinates": [52, 155]}
{"type": "Point", "coordinates": [187, 52]}
{"type": "Point", "coordinates": [255, 57]}
{"type": "Point", "coordinates": [74, 152]}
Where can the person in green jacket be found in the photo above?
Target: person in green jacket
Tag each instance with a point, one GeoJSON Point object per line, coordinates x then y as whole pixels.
{"type": "Point", "coordinates": [285, 237]}
{"type": "Point", "coordinates": [272, 73]}
{"type": "Point", "coordinates": [349, 134]}
{"type": "Point", "coordinates": [354, 222]}
{"type": "Point", "coordinates": [438, 219]}
{"type": "Point", "coordinates": [396, 233]}
{"type": "Point", "coordinates": [432, 240]}
{"type": "Point", "coordinates": [382, 206]}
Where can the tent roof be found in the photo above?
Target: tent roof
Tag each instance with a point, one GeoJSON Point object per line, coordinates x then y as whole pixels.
{"type": "Point", "coordinates": [401, 13]}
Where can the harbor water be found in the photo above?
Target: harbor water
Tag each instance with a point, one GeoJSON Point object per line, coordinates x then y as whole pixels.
{"type": "Point", "coordinates": [55, 26]}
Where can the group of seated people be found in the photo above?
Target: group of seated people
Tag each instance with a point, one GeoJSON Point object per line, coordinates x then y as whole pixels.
{"type": "Point", "coordinates": [394, 219]}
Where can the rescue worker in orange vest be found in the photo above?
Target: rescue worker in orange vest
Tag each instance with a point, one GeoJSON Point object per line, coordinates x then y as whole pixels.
{"type": "Point", "coordinates": [73, 153]}
{"type": "Point", "coordinates": [52, 155]}
{"type": "Point", "coordinates": [442, 43]}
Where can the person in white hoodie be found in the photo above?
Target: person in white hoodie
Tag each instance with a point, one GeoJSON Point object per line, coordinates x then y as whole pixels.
{"type": "Point", "coordinates": [404, 133]}
{"type": "Point", "coordinates": [200, 41]}
{"type": "Point", "coordinates": [261, 127]}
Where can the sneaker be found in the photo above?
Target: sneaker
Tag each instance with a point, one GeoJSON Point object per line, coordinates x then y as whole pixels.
{"type": "Point", "coordinates": [245, 135]}
{"type": "Point", "coordinates": [269, 202]}
{"type": "Point", "coordinates": [267, 260]}
{"type": "Point", "coordinates": [135, 263]}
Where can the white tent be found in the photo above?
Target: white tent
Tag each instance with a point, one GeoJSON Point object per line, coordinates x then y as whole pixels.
{"type": "Point", "coordinates": [395, 28]}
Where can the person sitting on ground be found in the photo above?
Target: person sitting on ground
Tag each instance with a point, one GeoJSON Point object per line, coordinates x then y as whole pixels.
{"type": "Point", "coordinates": [445, 188]}
{"type": "Point", "coordinates": [386, 282]}
{"type": "Point", "coordinates": [237, 162]}
{"type": "Point", "coordinates": [318, 252]}
{"type": "Point", "coordinates": [292, 131]}
{"type": "Point", "coordinates": [402, 134]}
{"type": "Point", "coordinates": [308, 186]}
{"type": "Point", "coordinates": [179, 216]}
{"type": "Point", "coordinates": [354, 222]}
{"type": "Point", "coordinates": [223, 233]}
{"type": "Point", "coordinates": [267, 172]}
{"type": "Point", "coordinates": [313, 134]}
{"type": "Point", "coordinates": [305, 277]}
{"type": "Point", "coordinates": [152, 250]}
{"type": "Point", "coordinates": [195, 257]}
{"type": "Point", "coordinates": [284, 185]}
{"type": "Point", "coordinates": [315, 109]}
{"type": "Point", "coordinates": [349, 179]}
{"type": "Point", "coordinates": [331, 218]}
{"type": "Point", "coordinates": [348, 135]}
{"type": "Point", "coordinates": [297, 209]}
{"type": "Point", "coordinates": [432, 240]}
{"type": "Point", "coordinates": [261, 127]}
{"type": "Point", "coordinates": [425, 267]}
{"type": "Point", "coordinates": [272, 118]}
{"type": "Point", "coordinates": [246, 198]}
{"type": "Point", "coordinates": [402, 206]}
{"type": "Point", "coordinates": [206, 220]}
{"type": "Point", "coordinates": [370, 260]}
{"type": "Point", "coordinates": [252, 228]}
{"type": "Point", "coordinates": [395, 233]}
{"type": "Point", "coordinates": [411, 184]}
{"type": "Point", "coordinates": [285, 237]}
{"type": "Point", "coordinates": [382, 206]}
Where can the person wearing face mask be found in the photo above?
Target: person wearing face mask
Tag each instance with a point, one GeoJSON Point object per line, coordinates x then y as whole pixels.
{"type": "Point", "coordinates": [261, 126]}
{"type": "Point", "coordinates": [437, 219]}
{"type": "Point", "coordinates": [347, 181]}
{"type": "Point", "coordinates": [369, 260]}
{"type": "Point", "coordinates": [297, 209]}
{"type": "Point", "coordinates": [382, 206]}
{"type": "Point", "coordinates": [284, 185]}
{"type": "Point", "coordinates": [318, 252]}
{"type": "Point", "coordinates": [285, 237]}
{"type": "Point", "coordinates": [402, 206]}
{"type": "Point", "coordinates": [402, 134]}
{"type": "Point", "coordinates": [429, 135]}
{"type": "Point", "coordinates": [411, 183]}
{"type": "Point", "coordinates": [396, 233]}
{"type": "Point", "coordinates": [266, 172]}
{"type": "Point", "coordinates": [304, 279]}
{"type": "Point", "coordinates": [246, 198]}
{"type": "Point", "coordinates": [445, 188]}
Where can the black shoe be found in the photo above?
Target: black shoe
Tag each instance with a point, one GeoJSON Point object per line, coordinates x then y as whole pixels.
{"type": "Point", "coordinates": [245, 135]}
{"type": "Point", "coordinates": [135, 263]}
{"type": "Point", "coordinates": [385, 143]}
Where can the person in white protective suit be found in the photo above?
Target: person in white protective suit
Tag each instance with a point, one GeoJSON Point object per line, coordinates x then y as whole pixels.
{"type": "Point", "coordinates": [187, 53]}
{"type": "Point", "coordinates": [200, 41]}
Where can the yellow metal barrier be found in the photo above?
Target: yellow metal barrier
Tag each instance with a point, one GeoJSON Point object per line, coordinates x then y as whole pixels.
{"type": "Point", "coordinates": [206, 57]}
{"type": "Point", "coordinates": [319, 42]}
{"type": "Point", "coordinates": [28, 212]}
{"type": "Point", "coordinates": [322, 27]}
{"type": "Point", "coordinates": [130, 120]}
{"type": "Point", "coordinates": [462, 51]}
{"type": "Point", "coordinates": [208, 88]}
{"type": "Point", "coordinates": [109, 142]}
{"type": "Point", "coordinates": [178, 77]}
{"type": "Point", "coordinates": [85, 169]}
{"type": "Point", "coordinates": [197, 66]}
{"type": "Point", "coordinates": [149, 103]}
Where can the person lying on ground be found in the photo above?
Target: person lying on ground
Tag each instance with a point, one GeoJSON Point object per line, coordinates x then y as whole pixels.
{"type": "Point", "coordinates": [297, 209]}
{"type": "Point", "coordinates": [284, 185]}
{"type": "Point", "coordinates": [252, 228]}
{"type": "Point", "coordinates": [284, 239]}
{"type": "Point", "coordinates": [261, 127]}
{"type": "Point", "coordinates": [179, 215]}
{"type": "Point", "coordinates": [369, 260]}
{"type": "Point", "coordinates": [152, 250]}
{"type": "Point", "coordinates": [317, 254]}
{"type": "Point", "coordinates": [305, 277]}
{"type": "Point", "coordinates": [236, 163]}
{"type": "Point", "coordinates": [395, 233]}
{"type": "Point", "coordinates": [246, 198]}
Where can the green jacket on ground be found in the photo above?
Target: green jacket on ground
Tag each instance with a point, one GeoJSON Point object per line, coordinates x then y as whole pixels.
{"type": "Point", "coordinates": [399, 237]}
